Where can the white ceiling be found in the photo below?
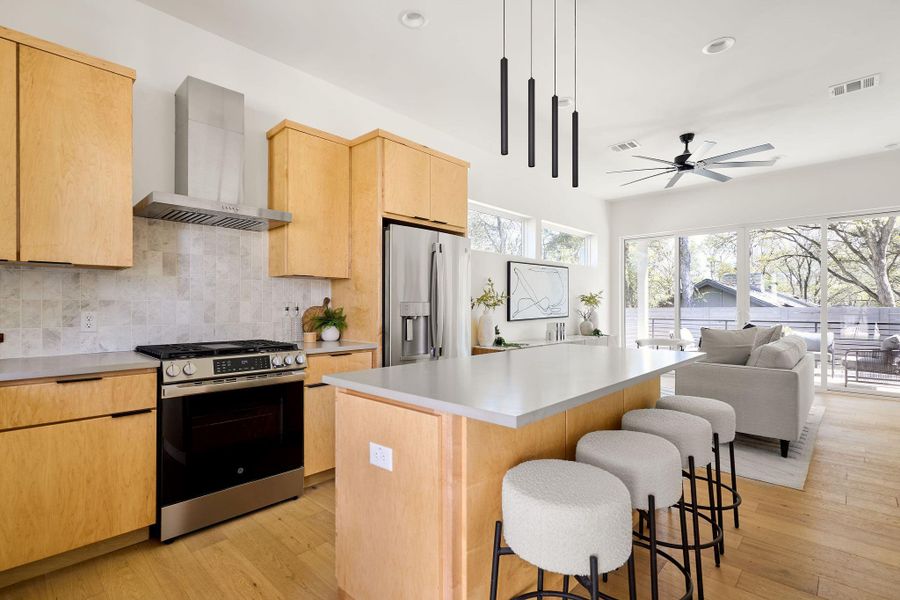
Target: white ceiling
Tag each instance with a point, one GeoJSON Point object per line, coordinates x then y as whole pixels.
{"type": "Point", "coordinates": [641, 73]}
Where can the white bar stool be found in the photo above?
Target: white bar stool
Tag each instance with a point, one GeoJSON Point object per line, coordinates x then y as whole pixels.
{"type": "Point", "coordinates": [568, 518]}
{"type": "Point", "coordinates": [722, 419]}
{"type": "Point", "coordinates": [650, 467]}
{"type": "Point", "coordinates": [691, 435]}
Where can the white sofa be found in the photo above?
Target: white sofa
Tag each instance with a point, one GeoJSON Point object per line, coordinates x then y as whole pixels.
{"type": "Point", "coordinates": [768, 402]}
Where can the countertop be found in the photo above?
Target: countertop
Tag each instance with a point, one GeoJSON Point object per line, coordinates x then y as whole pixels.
{"type": "Point", "coordinates": [537, 342]}
{"type": "Point", "coordinates": [514, 389]}
{"type": "Point", "coordinates": [36, 367]}
{"type": "Point", "coordinates": [338, 346]}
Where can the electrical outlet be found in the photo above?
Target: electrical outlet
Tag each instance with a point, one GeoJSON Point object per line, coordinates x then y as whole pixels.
{"type": "Point", "coordinates": [381, 456]}
{"type": "Point", "coordinates": [88, 321]}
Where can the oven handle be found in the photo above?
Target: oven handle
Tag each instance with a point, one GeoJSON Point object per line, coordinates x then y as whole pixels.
{"type": "Point", "coordinates": [190, 389]}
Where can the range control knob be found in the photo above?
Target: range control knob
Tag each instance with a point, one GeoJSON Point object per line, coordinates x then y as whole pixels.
{"type": "Point", "coordinates": [301, 359]}
{"type": "Point", "coordinates": [276, 361]}
{"type": "Point", "coordinates": [190, 368]}
{"type": "Point", "coordinates": [173, 370]}
{"type": "Point", "coordinates": [288, 360]}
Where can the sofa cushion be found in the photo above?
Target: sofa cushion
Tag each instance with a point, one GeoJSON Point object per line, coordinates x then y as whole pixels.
{"type": "Point", "coordinates": [782, 354]}
{"type": "Point", "coordinates": [764, 335]}
{"type": "Point", "coordinates": [726, 346]}
{"type": "Point", "coordinates": [892, 342]}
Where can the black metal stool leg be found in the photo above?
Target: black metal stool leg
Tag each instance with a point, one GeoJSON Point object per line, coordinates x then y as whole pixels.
{"type": "Point", "coordinates": [737, 520]}
{"type": "Point", "coordinates": [686, 555]}
{"type": "Point", "coordinates": [540, 583]}
{"type": "Point", "coordinates": [605, 577]}
{"type": "Point", "coordinates": [651, 526]}
{"type": "Point", "coordinates": [495, 565]}
{"type": "Point", "coordinates": [719, 491]}
{"type": "Point", "coordinates": [698, 558]}
{"type": "Point", "coordinates": [565, 584]}
{"type": "Point", "coordinates": [594, 582]}
{"type": "Point", "coordinates": [713, 513]}
{"type": "Point", "coordinates": [632, 586]}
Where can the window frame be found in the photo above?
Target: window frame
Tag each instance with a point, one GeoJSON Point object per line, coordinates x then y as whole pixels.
{"type": "Point", "coordinates": [526, 222]}
{"type": "Point", "coordinates": [589, 252]}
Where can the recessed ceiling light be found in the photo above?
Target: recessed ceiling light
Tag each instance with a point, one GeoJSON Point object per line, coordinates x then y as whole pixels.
{"type": "Point", "coordinates": [892, 146]}
{"type": "Point", "coordinates": [413, 19]}
{"type": "Point", "coordinates": [565, 102]}
{"type": "Point", "coordinates": [719, 45]}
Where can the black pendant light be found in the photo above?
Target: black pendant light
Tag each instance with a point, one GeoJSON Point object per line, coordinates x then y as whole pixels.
{"type": "Point", "coordinates": [531, 93]}
{"type": "Point", "coordinates": [554, 111]}
{"type": "Point", "coordinates": [575, 95]}
{"type": "Point", "coordinates": [504, 93]}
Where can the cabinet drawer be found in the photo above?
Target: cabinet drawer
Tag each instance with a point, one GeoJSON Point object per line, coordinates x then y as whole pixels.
{"type": "Point", "coordinates": [71, 484]}
{"type": "Point", "coordinates": [324, 364]}
{"type": "Point", "coordinates": [91, 396]}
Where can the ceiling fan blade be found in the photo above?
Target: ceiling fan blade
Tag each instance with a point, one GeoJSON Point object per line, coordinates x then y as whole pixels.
{"type": "Point", "coordinates": [674, 179]}
{"type": "Point", "coordinates": [711, 175]}
{"type": "Point", "coordinates": [737, 153]}
{"type": "Point", "coordinates": [700, 152]}
{"type": "Point", "coordinates": [647, 169]}
{"type": "Point", "coordinates": [647, 177]}
{"type": "Point", "coordinates": [746, 163]}
{"type": "Point", "coordinates": [659, 160]}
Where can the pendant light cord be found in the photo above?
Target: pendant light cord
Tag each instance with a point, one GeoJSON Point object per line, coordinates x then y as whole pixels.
{"type": "Point", "coordinates": [531, 40]}
{"type": "Point", "coordinates": [504, 28]}
{"type": "Point", "coordinates": [575, 52]}
{"type": "Point", "coordinates": [554, 47]}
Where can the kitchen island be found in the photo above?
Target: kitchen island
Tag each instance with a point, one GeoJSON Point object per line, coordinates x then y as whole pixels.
{"type": "Point", "coordinates": [445, 432]}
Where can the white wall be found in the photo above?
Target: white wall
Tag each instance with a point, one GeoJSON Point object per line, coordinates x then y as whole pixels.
{"type": "Point", "coordinates": [164, 50]}
{"type": "Point", "coordinates": [864, 184]}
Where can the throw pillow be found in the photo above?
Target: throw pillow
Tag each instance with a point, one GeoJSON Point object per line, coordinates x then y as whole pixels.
{"type": "Point", "coordinates": [891, 342]}
{"type": "Point", "coordinates": [781, 354]}
{"type": "Point", "coordinates": [727, 347]}
{"type": "Point", "coordinates": [764, 335]}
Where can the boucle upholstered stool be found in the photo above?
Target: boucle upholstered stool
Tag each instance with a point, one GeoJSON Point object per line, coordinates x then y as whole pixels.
{"type": "Point", "coordinates": [722, 418]}
{"type": "Point", "coordinates": [650, 467]}
{"type": "Point", "coordinates": [691, 435]}
{"type": "Point", "coordinates": [568, 518]}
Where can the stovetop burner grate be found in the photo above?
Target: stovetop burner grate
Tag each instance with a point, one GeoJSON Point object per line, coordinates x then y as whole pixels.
{"type": "Point", "coordinates": [219, 348]}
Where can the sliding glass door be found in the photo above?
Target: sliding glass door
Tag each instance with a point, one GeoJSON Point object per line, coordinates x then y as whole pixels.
{"type": "Point", "coordinates": [649, 289]}
{"type": "Point", "coordinates": [707, 281]}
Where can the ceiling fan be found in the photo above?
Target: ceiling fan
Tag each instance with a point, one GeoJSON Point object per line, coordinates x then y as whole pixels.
{"type": "Point", "coordinates": [699, 165]}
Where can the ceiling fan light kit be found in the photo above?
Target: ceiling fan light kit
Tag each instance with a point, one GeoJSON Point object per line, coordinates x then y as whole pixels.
{"type": "Point", "coordinates": [682, 163]}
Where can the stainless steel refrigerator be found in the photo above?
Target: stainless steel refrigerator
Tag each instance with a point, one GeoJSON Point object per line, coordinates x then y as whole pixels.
{"type": "Point", "coordinates": [426, 295]}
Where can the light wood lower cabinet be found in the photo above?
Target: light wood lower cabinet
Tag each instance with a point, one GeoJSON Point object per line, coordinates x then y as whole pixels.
{"type": "Point", "coordinates": [72, 484]}
{"type": "Point", "coordinates": [74, 162]}
{"type": "Point", "coordinates": [8, 151]}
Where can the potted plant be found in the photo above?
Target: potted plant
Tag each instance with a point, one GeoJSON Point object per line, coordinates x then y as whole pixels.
{"type": "Point", "coordinates": [489, 300]}
{"type": "Point", "coordinates": [590, 319]}
{"type": "Point", "coordinates": [330, 324]}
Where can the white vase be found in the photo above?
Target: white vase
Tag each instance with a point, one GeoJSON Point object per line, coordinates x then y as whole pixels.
{"type": "Point", "coordinates": [486, 329]}
{"type": "Point", "coordinates": [331, 334]}
{"type": "Point", "coordinates": [586, 328]}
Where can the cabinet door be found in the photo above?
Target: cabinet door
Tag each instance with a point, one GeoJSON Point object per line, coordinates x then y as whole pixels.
{"type": "Point", "coordinates": [323, 364]}
{"type": "Point", "coordinates": [319, 196]}
{"type": "Point", "coordinates": [75, 162]}
{"type": "Point", "coordinates": [449, 192]}
{"type": "Point", "coordinates": [76, 483]}
{"type": "Point", "coordinates": [318, 429]}
{"type": "Point", "coordinates": [406, 181]}
{"type": "Point", "coordinates": [8, 166]}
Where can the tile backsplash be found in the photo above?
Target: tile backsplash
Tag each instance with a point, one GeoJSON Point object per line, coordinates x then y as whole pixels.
{"type": "Point", "coordinates": [189, 283]}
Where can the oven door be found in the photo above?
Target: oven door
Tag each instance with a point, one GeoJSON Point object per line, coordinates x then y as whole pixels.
{"type": "Point", "coordinates": [217, 435]}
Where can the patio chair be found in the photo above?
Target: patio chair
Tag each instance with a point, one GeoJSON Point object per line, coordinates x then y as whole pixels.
{"type": "Point", "coordinates": [881, 366]}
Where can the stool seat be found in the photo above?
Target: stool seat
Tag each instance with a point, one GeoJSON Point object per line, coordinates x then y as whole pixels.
{"type": "Point", "coordinates": [720, 415]}
{"type": "Point", "coordinates": [647, 464]}
{"type": "Point", "coordinates": [692, 435]}
{"type": "Point", "coordinates": [558, 513]}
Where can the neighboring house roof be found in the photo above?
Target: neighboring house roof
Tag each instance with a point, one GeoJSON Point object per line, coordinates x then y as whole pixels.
{"type": "Point", "coordinates": [757, 298]}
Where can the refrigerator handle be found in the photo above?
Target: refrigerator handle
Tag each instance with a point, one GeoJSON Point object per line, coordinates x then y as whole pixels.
{"type": "Point", "coordinates": [437, 301]}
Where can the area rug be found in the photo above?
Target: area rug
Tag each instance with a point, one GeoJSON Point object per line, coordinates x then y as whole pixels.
{"type": "Point", "coordinates": [760, 458]}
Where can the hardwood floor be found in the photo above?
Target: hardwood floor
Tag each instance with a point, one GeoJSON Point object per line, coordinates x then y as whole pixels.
{"type": "Point", "coordinates": [838, 539]}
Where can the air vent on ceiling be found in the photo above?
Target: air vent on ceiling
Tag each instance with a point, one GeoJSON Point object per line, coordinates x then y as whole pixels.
{"type": "Point", "coordinates": [625, 146]}
{"type": "Point", "coordinates": [855, 85]}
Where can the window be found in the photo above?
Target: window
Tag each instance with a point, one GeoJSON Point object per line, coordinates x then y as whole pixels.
{"type": "Point", "coordinates": [495, 230]}
{"type": "Point", "coordinates": [565, 245]}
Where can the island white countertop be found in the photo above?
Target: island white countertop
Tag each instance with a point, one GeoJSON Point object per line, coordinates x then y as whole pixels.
{"type": "Point", "coordinates": [514, 389]}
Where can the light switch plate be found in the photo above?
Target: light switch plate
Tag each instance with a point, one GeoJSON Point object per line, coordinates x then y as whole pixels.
{"type": "Point", "coordinates": [381, 456]}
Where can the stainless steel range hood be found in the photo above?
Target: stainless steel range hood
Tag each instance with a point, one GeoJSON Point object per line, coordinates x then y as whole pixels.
{"type": "Point", "coordinates": [209, 164]}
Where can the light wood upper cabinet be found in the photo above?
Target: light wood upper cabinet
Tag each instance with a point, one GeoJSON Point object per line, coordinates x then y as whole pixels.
{"type": "Point", "coordinates": [407, 181]}
{"type": "Point", "coordinates": [449, 192]}
{"type": "Point", "coordinates": [8, 153]}
{"type": "Point", "coordinates": [309, 176]}
{"type": "Point", "coordinates": [75, 155]}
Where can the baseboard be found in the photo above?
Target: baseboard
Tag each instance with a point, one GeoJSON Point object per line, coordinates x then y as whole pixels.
{"type": "Point", "coordinates": [66, 559]}
{"type": "Point", "coordinates": [318, 478]}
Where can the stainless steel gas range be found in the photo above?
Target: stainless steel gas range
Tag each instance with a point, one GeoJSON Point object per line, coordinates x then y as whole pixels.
{"type": "Point", "coordinates": [230, 430]}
